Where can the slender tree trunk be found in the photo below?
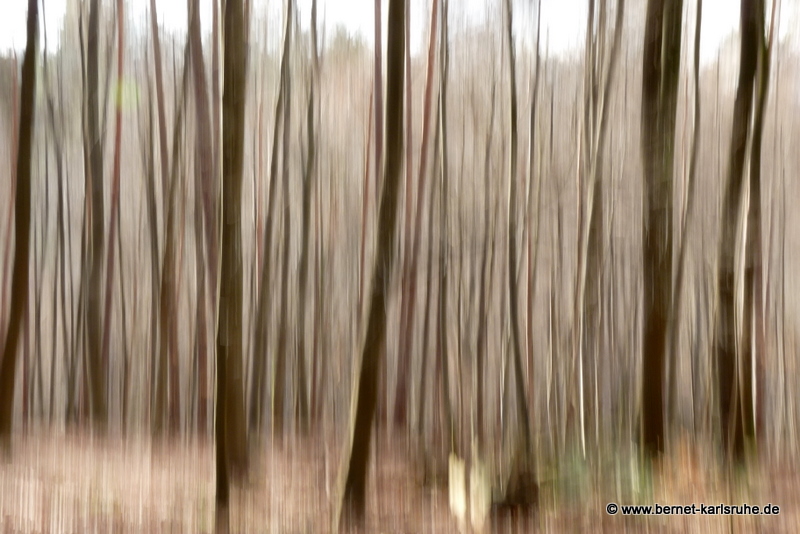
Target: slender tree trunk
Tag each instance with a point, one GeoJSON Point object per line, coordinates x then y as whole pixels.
{"type": "Point", "coordinates": [412, 256]}
{"type": "Point", "coordinates": [95, 266]}
{"type": "Point", "coordinates": [229, 333]}
{"type": "Point", "coordinates": [487, 274]}
{"type": "Point", "coordinates": [260, 342]}
{"type": "Point", "coordinates": [204, 213]}
{"type": "Point", "coordinates": [14, 134]}
{"type": "Point", "coordinates": [281, 356]}
{"type": "Point", "coordinates": [735, 381]}
{"type": "Point", "coordinates": [114, 196]}
{"type": "Point", "coordinates": [354, 497]}
{"type": "Point", "coordinates": [168, 340]}
{"type": "Point", "coordinates": [689, 211]}
{"type": "Point", "coordinates": [22, 222]}
{"type": "Point", "coordinates": [522, 404]}
{"type": "Point", "coordinates": [754, 273]}
{"type": "Point", "coordinates": [424, 389]}
{"type": "Point", "coordinates": [399, 411]}
{"type": "Point", "coordinates": [310, 175]}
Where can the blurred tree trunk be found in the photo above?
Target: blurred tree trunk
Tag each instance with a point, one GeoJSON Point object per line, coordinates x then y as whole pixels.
{"type": "Point", "coordinates": [589, 292]}
{"type": "Point", "coordinates": [754, 272]}
{"type": "Point", "coordinates": [689, 211]}
{"type": "Point", "coordinates": [486, 277]}
{"type": "Point", "coordinates": [94, 129]}
{"type": "Point", "coordinates": [114, 196]}
{"type": "Point", "coordinates": [442, 345]}
{"type": "Point", "coordinates": [14, 135]}
{"type": "Point", "coordinates": [661, 69]}
{"type": "Point", "coordinates": [59, 276]}
{"type": "Point", "coordinates": [735, 386]}
{"type": "Point", "coordinates": [168, 300]}
{"type": "Point", "coordinates": [428, 307]}
{"type": "Point", "coordinates": [354, 497]}
{"type": "Point", "coordinates": [152, 213]}
{"type": "Point", "coordinates": [260, 341]}
{"type": "Point", "coordinates": [378, 115]}
{"type": "Point", "coordinates": [22, 226]}
{"type": "Point", "coordinates": [281, 352]}
{"type": "Point", "coordinates": [204, 214]}
{"type": "Point", "coordinates": [403, 361]}
{"type": "Point", "coordinates": [310, 169]}
{"type": "Point", "coordinates": [522, 404]}
{"type": "Point", "coordinates": [533, 219]}
{"type": "Point", "coordinates": [229, 334]}
{"type": "Point", "coordinates": [412, 256]}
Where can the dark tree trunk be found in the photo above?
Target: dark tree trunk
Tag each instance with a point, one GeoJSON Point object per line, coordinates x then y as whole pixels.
{"type": "Point", "coordinates": [661, 66]}
{"type": "Point", "coordinates": [354, 498]}
{"type": "Point", "coordinates": [95, 179]}
{"type": "Point", "coordinates": [403, 361]}
{"type": "Point", "coordinates": [229, 334]}
{"type": "Point", "coordinates": [22, 222]}
{"type": "Point", "coordinates": [735, 389]}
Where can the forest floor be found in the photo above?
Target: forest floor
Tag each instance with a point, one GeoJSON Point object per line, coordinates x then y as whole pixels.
{"type": "Point", "coordinates": [74, 484]}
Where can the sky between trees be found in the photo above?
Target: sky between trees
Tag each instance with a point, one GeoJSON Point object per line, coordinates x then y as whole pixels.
{"type": "Point", "coordinates": [563, 24]}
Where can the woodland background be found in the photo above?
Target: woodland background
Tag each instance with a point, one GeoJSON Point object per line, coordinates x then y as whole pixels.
{"type": "Point", "coordinates": [564, 269]}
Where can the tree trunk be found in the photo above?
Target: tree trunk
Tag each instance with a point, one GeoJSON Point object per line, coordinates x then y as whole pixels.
{"type": "Point", "coordinates": [95, 178]}
{"type": "Point", "coordinates": [260, 342]}
{"type": "Point", "coordinates": [204, 214]}
{"type": "Point", "coordinates": [522, 405]}
{"type": "Point", "coordinates": [403, 361]}
{"type": "Point", "coordinates": [661, 66]}
{"type": "Point", "coordinates": [168, 340]}
{"type": "Point", "coordinates": [229, 334]}
{"type": "Point", "coordinates": [409, 299]}
{"type": "Point", "coordinates": [22, 216]}
{"type": "Point", "coordinates": [114, 196]}
{"type": "Point", "coordinates": [309, 176]}
{"type": "Point", "coordinates": [354, 497]}
{"type": "Point", "coordinates": [734, 375]}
